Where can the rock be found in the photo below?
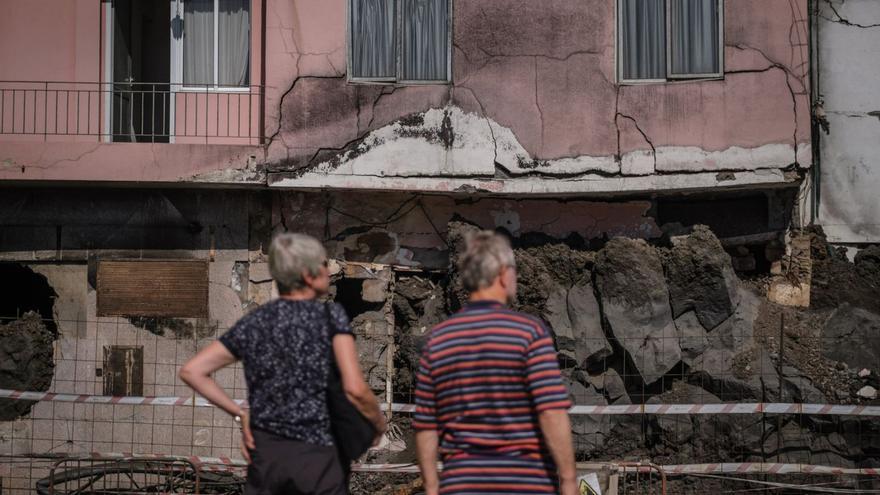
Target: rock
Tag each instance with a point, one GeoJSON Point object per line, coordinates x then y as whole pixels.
{"type": "Point", "coordinates": [738, 332]}
{"type": "Point", "coordinates": [868, 259]}
{"type": "Point", "coordinates": [868, 392]}
{"type": "Point", "coordinates": [26, 361]}
{"type": "Point", "coordinates": [609, 383]}
{"type": "Point", "coordinates": [635, 301]}
{"type": "Point", "coordinates": [692, 337]}
{"type": "Point", "coordinates": [557, 317]}
{"type": "Point", "coordinates": [798, 388]}
{"type": "Point", "coordinates": [374, 290]}
{"type": "Point", "coordinates": [735, 376]}
{"type": "Point", "coordinates": [681, 428]}
{"type": "Point", "coordinates": [371, 329]}
{"type": "Point", "coordinates": [586, 319]}
{"type": "Point", "coordinates": [865, 373]}
{"type": "Point", "coordinates": [701, 278]}
{"type": "Point", "coordinates": [456, 235]}
{"type": "Point", "coordinates": [589, 431]}
{"type": "Point", "coordinates": [850, 336]}
{"type": "Point", "coordinates": [574, 316]}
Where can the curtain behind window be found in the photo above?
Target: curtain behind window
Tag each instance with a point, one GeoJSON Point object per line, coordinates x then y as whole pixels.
{"type": "Point", "coordinates": [233, 33]}
{"type": "Point", "coordinates": [695, 36]}
{"type": "Point", "coordinates": [643, 39]}
{"type": "Point", "coordinates": [198, 42]}
{"type": "Point", "coordinates": [372, 39]}
{"type": "Point", "coordinates": [425, 33]}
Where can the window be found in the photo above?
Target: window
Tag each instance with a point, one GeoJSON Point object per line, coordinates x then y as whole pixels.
{"type": "Point", "coordinates": [399, 41]}
{"type": "Point", "coordinates": [670, 39]}
{"type": "Point", "coordinates": [216, 43]}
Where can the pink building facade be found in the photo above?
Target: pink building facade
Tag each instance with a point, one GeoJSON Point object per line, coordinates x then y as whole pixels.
{"type": "Point", "coordinates": [535, 101]}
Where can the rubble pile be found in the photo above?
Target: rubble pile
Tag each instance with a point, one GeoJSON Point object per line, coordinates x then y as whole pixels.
{"type": "Point", "coordinates": [673, 323]}
{"type": "Point", "coordinates": [26, 361]}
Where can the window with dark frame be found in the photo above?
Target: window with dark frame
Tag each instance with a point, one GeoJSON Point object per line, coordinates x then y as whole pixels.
{"type": "Point", "coordinates": [399, 41]}
{"type": "Point", "coordinates": [660, 40]}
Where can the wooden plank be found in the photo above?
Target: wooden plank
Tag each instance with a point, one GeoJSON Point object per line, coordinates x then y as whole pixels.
{"type": "Point", "coordinates": [153, 288]}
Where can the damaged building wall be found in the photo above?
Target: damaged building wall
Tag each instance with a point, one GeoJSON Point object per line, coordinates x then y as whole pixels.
{"type": "Point", "coordinates": [410, 230]}
{"type": "Point", "coordinates": [534, 95]}
{"type": "Point", "coordinates": [848, 33]}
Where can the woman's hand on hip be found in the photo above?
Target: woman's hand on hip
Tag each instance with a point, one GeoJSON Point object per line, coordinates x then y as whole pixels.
{"type": "Point", "coordinates": [247, 438]}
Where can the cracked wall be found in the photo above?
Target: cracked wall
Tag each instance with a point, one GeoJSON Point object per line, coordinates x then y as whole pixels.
{"type": "Point", "coordinates": [848, 67]}
{"type": "Point", "coordinates": [533, 108]}
{"type": "Point", "coordinates": [534, 96]}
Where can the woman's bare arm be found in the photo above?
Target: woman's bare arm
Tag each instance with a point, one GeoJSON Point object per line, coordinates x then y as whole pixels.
{"type": "Point", "coordinates": [197, 374]}
{"type": "Point", "coordinates": [356, 389]}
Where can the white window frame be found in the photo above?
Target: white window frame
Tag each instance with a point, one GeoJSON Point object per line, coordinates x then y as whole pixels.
{"type": "Point", "coordinates": [177, 54]}
{"type": "Point", "coordinates": [670, 76]}
{"type": "Point", "coordinates": [398, 49]}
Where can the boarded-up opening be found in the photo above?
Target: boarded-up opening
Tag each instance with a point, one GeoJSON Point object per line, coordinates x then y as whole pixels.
{"type": "Point", "coordinates": [124, 370]}
{"type": "Point", "coordinates": [153, 288]}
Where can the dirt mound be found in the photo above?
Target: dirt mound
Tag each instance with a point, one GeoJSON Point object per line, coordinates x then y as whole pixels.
{"type": "Point", "coordinates": [837, 281]}
{"type": "Point", "coordinates": [25, 361]}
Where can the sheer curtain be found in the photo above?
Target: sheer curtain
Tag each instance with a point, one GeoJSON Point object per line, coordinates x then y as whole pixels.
{"type": "Point", "coordinates": [425, 33]}
{"type": "Point", "coordinates": [643, 36]}
{"type": "Point", "coordinates": [372, 38]}
{"type": "Point", "coordinates": [234, 31]}
{"type": "Point", "coordinates": [198, 42]}
{"type": "Point", "coordinates": [694, 36]}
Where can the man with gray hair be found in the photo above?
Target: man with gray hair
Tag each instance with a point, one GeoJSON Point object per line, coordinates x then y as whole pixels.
{"type": "Point", "coordinates": [489, 397]}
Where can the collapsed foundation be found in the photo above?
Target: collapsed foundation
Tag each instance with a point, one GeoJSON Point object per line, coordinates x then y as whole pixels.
{"type": "Point", "coordinates": [651, 301]}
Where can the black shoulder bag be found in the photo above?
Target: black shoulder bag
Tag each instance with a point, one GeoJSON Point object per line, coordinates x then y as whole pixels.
{"type": "Point", "coordinates": [352, 432]}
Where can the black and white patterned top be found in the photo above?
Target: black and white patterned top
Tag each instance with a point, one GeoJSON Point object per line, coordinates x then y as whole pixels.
{"type": "Point", "coordinates": [285, 349]}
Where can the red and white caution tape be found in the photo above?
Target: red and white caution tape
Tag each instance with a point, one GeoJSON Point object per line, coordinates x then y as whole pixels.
{"type": "Point", "coordinates": [633, 409]}
{"type": "Point", "coordinates": [765, 468]}
{"type": "Point", "coordinates": [226, 463]}
{"type": "Point", "coordinates": [106, 399]}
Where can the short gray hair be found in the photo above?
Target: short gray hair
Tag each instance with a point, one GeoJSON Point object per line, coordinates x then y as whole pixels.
{"type": "Point", "coordinates": [292, 254]}
{"type": "Point", "coordinates": [486, 253]}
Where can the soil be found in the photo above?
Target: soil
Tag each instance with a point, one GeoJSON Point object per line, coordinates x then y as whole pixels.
{"type": "Point", "coordinates": [836, 281]}
{"type": "Point", "coordinates": [26, 354]}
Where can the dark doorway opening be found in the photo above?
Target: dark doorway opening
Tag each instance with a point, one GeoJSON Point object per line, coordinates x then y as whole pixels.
{"type": "Point", "coordinates": [23, 290]}
{"type": "Point", "coordinates": [141, 70]}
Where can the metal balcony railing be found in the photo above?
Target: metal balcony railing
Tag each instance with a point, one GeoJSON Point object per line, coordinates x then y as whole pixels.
{"type": "Point", "coordinates": [131, 112]}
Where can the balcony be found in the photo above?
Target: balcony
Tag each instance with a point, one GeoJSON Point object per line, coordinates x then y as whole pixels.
{"type": "Point", "coordinates": [137, 112]}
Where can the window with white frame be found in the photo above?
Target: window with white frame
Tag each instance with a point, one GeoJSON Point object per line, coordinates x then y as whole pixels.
{"type": "Point", "coordinates": [405, 41]}
{"type": "Point", "coordinates": [670, 39]}
{"type": "Point", "coordinates": [216, 43]}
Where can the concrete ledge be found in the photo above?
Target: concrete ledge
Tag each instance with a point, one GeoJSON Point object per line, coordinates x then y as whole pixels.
{"type": "Point", "coordinates": [588, 184]}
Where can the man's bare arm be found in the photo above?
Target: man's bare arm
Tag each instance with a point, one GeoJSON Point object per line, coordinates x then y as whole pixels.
{"type": "Point", "coordinates": [556, 428]}
{"type": "Point", "coordinates": [427, 447]}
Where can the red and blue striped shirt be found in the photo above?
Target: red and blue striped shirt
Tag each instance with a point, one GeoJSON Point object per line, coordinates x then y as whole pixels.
{"type": "Point", "coordinates": [484, 376]}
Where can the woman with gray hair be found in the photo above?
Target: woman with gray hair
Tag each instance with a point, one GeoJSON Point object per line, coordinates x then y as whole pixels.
{"type": "Point", "coordinates": [285, 347]}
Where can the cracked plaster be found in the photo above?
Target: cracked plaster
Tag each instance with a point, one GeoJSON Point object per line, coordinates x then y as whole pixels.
{"type": "Point", "coordinates": [534, 96]}
{"type": "Point", "coordinates": [541, 102]}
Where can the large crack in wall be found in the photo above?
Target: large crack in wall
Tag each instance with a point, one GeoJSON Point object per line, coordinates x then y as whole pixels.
{"type": "Point", "coordinates": [557, 112]}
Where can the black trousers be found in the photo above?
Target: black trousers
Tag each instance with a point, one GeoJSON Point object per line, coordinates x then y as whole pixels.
{"type": "Point", "coordinates": [280, 466]}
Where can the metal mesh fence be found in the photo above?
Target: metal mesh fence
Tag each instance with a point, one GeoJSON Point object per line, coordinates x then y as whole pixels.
{"type": "Point", "coordinates": [94, 357]}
